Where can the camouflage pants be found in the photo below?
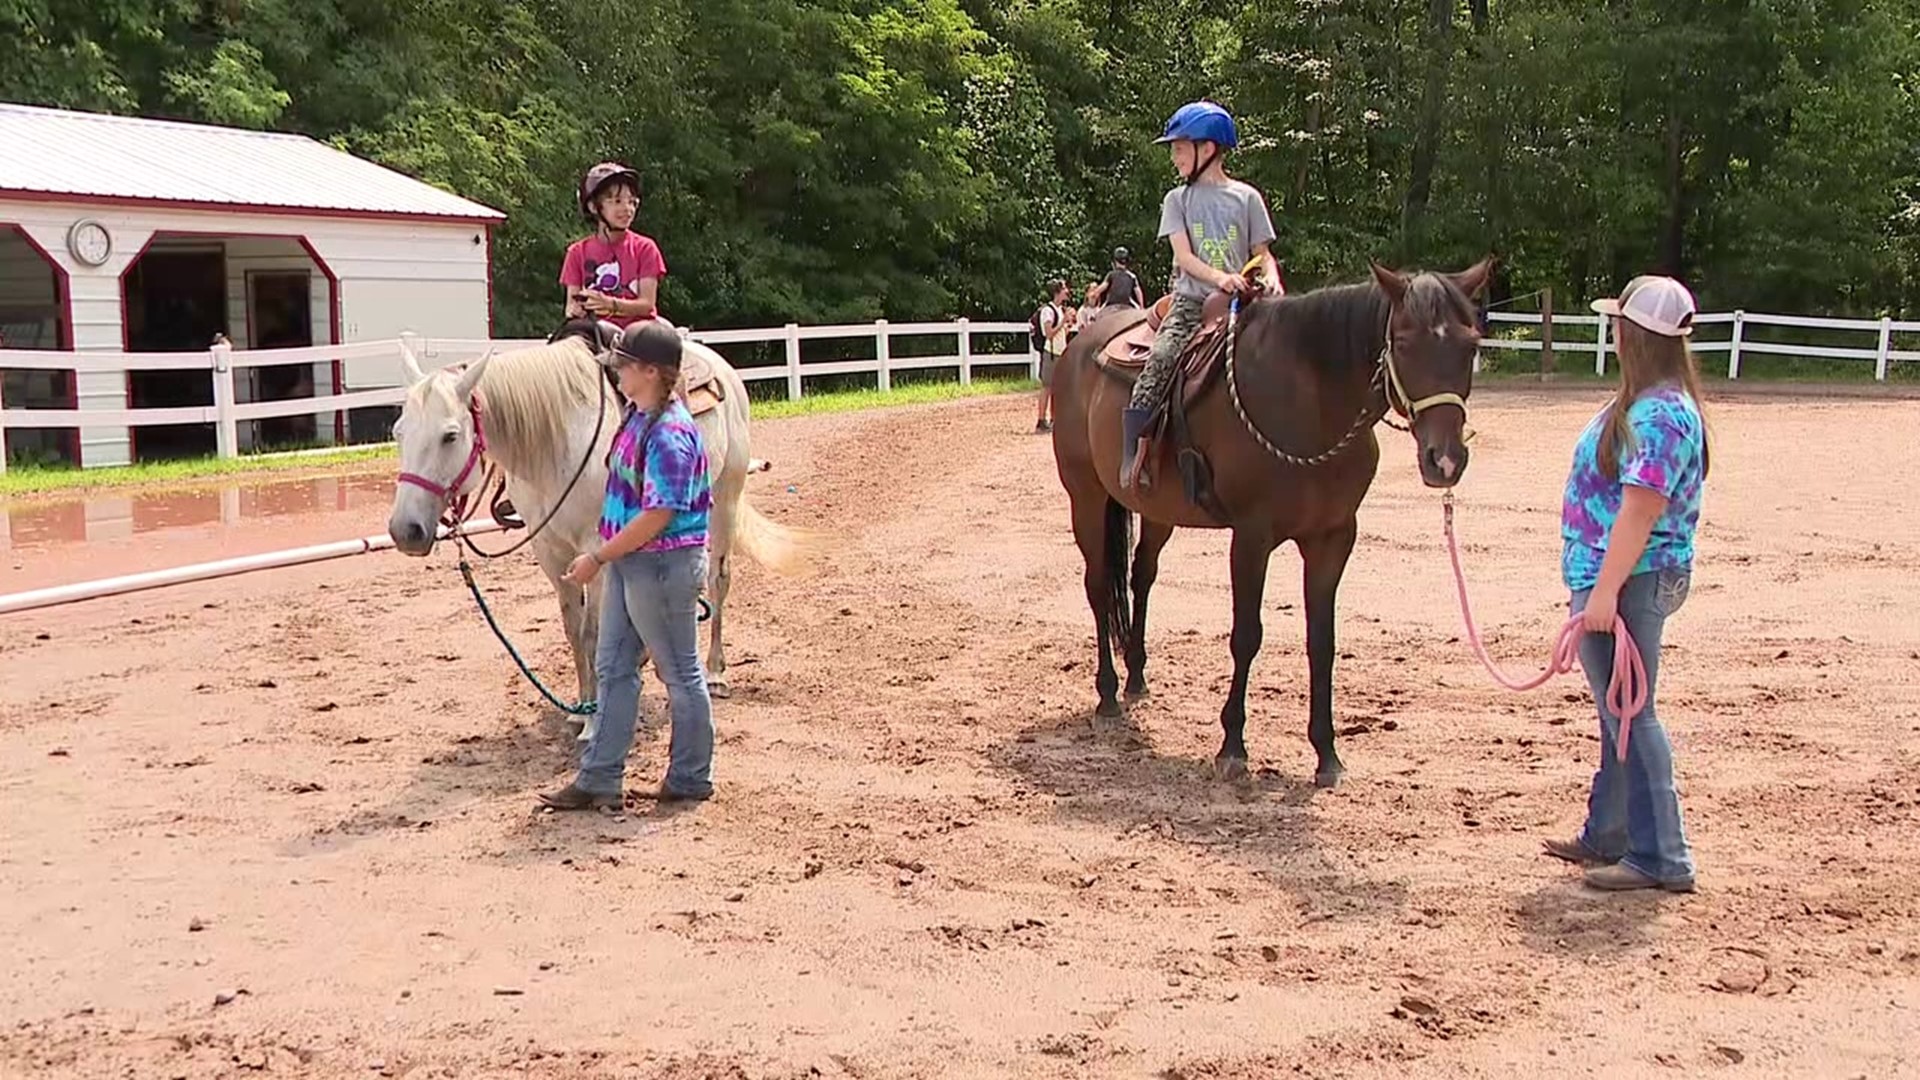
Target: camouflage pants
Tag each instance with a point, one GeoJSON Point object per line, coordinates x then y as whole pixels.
{"type": "Point", "coordinates": [1182, 322]}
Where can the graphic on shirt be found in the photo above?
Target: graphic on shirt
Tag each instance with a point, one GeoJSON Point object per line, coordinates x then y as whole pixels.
{"type": "Point", "coordinates": [606, 277]}
{"type": "Point", "coordinates": [1218, 251]}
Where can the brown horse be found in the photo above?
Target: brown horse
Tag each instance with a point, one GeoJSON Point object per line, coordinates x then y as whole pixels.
{"type": "Point", "coordinates": [1290, 441]}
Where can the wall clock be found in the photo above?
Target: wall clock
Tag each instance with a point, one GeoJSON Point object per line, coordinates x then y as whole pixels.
{"type": "Point", "coordinates": [89, 242]}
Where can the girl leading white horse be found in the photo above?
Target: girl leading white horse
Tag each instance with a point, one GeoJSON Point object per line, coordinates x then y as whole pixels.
{"type": "Point", "coordinates": [534, 412]}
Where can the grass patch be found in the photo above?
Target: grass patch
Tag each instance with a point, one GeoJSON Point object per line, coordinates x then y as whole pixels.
{"type": "Point", "coordinates": [29, 480]}
{"type": "Point", "coordinates": [22, 480]}
{"type": "Point", "coordinates": [919, 393]}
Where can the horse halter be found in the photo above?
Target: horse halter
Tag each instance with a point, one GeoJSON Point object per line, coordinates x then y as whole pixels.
{"type": "Point", "coordinates": [1398, 400]}
{"type": "Point", "coordinates": [450, 495]}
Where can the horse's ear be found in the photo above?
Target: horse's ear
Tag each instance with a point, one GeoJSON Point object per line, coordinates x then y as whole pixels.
{"type": "Point", "coordinates": [470, 378]}
{"type": "Point", "coordinates": [410, 365]}
{"type": "Point", "coordinates": [1474, 279]}
{"type": "Point", "coordinates": [1391, 282]}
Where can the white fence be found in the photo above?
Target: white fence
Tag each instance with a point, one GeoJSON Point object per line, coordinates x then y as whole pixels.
{"type": "Point", "coordinates": [226, 412]}
{"type": "Point", "coordinates": [1735, 344]}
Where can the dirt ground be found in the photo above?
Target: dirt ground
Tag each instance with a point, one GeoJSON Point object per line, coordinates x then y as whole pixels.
{"type": "Point", "coordinates": [282, 824]}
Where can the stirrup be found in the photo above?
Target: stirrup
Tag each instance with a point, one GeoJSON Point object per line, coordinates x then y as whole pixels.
{"type": "Point", "coordinates": [507, 517]}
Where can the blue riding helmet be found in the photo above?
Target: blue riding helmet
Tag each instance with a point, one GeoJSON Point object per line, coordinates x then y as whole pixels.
{"type": "Point", "coordinates": [1201, 121]}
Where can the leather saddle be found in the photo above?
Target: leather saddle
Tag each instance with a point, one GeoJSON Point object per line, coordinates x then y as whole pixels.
{"type": "Point", "coordinates": [1125, 354]}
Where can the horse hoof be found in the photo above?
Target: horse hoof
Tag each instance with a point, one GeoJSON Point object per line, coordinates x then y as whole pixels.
{"type": "Point", "coordinates": [718, 689]}
{"type": "Point", "coordinates": [1136, 691]}
{"type": "Point", "coordinates": [1230, 769]}
{"type": "Point", "coordinates": [1109, 710]}
{"type": "Point", "coordinates": [1327, 778]}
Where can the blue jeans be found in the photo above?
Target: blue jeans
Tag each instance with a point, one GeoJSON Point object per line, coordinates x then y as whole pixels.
{"type": "Point", "coordinates": [1633, 813]}
{"type": "Point", "coordinates": [651, 598]}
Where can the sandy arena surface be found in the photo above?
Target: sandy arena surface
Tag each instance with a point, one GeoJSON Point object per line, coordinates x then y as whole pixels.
{"type": "Point", "coordinates": [282, 824]}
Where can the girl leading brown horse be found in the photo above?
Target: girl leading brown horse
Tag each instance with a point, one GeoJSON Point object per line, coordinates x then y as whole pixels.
{"type": "Point", "coordinates": [1289, 438]}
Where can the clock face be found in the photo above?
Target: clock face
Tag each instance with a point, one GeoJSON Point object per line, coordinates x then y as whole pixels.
{"type": "Point", "coordinates": [89, 242]}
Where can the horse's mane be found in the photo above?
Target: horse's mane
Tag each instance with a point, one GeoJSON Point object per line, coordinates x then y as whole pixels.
{"type": "Point", "coordinates": [1339, 326]}
{"type": "Point", "coordinates": [531, 398]}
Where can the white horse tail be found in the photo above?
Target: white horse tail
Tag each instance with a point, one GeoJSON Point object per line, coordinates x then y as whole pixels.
{"type": "Point", "coordinates": [777, 547]}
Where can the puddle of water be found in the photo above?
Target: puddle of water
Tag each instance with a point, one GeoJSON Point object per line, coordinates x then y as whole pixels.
{"type": "Point", "coordinates": [114, 516]}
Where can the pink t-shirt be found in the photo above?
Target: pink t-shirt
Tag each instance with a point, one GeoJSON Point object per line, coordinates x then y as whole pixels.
{"type": "Point", "coordinates": [613, 268]}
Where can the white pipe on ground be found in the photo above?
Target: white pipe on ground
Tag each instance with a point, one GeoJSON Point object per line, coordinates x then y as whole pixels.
{"type": "Point", "coordinates": [155, 579]}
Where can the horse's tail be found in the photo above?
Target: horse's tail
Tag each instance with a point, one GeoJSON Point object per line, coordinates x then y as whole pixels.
{"type": "Point", "coordinates": [1119, 551]}
{"type": "Point", "coordinates": [777, 547]}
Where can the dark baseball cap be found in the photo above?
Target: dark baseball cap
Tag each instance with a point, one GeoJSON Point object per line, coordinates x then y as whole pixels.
{"type": "Point", "coordinates": [646, 342]}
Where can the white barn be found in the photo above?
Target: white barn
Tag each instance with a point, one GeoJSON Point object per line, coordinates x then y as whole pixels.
{"type": "Point", "coordinates": [124, 234]}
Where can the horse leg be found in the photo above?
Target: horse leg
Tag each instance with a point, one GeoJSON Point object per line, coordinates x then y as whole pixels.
{"type": "Point", "coordinates": [580, 616]}
{"type": "Point", "coordinates": [1146, 568]}
{"type": "Point", "coordinates": [1249, 558]}
{"type": "Point", "coordinates": [1091, 523]}
{"type": "Point", "coordinates": [1325, 557]}
{"type": "Point", "coordinates": [719, 579]}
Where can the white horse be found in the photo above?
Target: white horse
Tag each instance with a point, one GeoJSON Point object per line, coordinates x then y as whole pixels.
{"type": "Point", "coordinates": [533, 413]}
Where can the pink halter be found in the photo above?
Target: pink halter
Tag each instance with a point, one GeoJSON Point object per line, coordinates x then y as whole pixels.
{"type": "Point", "coordinates": [449, 494]}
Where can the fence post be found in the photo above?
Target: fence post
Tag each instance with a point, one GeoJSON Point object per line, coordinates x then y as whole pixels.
{"type": "Point", "coordinates": [1547, 364]}
{"type": "Point", "coordinates": [966, 352]}
{"type": "Point", "coordinates": [1733, 348]}
{"type": "Point", "coordinates": [226, 432]}
{"type": "Point", "coordinates": [793, 361]}
{"type": "Point", "coordinates": [1886, 340]}
{"type": "Point", "coordinates": [883, 352]}
{"type": "Point", "coordinates": [1600, 348]}
{"type": "Point", "coordinates": [3, 428]}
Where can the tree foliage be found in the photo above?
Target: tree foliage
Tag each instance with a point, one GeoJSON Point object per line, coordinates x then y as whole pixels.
{"type": "Point", "coordinates": [815, 160]}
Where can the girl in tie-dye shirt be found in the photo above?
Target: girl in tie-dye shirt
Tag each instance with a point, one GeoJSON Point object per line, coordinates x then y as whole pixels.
{"type": "Point", "coordinates": [1627, 525]}
{"type": "Point", "coordinates": [653, 549]}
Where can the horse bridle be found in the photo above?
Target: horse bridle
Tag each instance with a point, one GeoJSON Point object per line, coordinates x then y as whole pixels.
{"type": "Point", "coordinates": [453, 500]}
{"type": "Point", "coordinates": [1386, 375]}
{"type": "Point", "coordinates": [454, 510]}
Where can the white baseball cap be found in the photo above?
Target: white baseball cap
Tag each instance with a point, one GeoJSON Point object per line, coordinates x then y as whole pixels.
{"type": "Point", "coordinates": [1657, 304]}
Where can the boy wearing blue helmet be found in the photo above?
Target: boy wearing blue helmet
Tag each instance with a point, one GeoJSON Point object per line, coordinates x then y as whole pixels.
{"type": "Point", "coordinates": [1216, 225]}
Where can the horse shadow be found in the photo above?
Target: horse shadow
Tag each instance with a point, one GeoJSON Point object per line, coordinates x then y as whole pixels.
{"type": "Point", "coordinates": [516, 758]}
{"type": "Point", "coordinates": [1109, 773]}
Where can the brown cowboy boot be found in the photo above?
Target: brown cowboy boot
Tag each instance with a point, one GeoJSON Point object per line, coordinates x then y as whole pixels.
{"type": "Point", "coordinates": [1133, 429]}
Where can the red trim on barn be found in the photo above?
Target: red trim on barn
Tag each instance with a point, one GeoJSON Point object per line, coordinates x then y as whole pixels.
{"type": "Point", "coordinates": [489, 232]}
{"type": "Point", "coordinates": [244, 208]}
{"type": "Point", "coordinates": [333, 305]}
{"type": "Point", "coordinates": [62, 331]}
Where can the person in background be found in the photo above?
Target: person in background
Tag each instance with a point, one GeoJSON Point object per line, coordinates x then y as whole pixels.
{"type": "Point", "coordinates": [1120, 288]}
{"type": "Point", "coordinates": [1049, 326]}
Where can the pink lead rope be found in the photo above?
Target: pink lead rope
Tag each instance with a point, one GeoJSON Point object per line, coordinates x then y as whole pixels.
{"type": "Point", "coordinates": [1626, 691]}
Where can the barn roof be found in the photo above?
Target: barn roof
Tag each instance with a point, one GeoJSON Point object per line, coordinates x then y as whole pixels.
{"type": "Point", "coordinates": [54, 154]}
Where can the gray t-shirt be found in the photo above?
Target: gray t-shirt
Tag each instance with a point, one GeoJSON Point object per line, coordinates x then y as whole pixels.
{"type": "Point", "coordinates": [1223, 222]}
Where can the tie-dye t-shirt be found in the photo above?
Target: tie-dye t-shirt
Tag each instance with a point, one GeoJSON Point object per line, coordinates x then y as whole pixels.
{"type": "Point", "coordinates": [662, 465]}
{"type": "Point", "coordinates": [1667, 454]}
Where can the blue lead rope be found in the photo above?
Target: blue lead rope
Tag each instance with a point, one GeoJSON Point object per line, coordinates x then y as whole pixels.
{"type": "Point", "coordinates": [585, 708]}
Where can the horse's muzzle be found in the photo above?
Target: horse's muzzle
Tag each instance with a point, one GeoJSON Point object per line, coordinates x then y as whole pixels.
{"type": "Point", "coordinates": [1443, 466]}
{"type": "Point", "coordinates": [410, 537]}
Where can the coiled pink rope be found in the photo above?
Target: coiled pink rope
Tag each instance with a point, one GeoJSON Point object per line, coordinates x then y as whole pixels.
{"type": "Point", "coordinates": [1626, 690]}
